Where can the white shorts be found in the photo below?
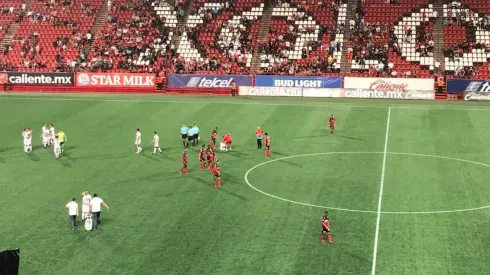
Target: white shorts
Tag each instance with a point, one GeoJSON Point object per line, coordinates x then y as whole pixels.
{"type": "Point", "coordinates": [46, 139]}
{"type": "Point", "coordinates": [85, 209]}
{"type": "Point", "coordinates": [137, 143]}
{"type": "Point", "coordinates": [57, 151]}
{"type": "Point", "coordinates": [27, 142]}
{"type": "Point", "coordinates": [157, 145]}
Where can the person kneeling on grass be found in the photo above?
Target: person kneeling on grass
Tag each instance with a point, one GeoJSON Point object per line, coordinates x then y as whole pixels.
{"type": "Point", "coordinates": [227, 140]}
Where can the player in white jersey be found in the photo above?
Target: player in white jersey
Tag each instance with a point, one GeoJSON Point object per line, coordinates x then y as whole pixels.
{"type": "Point", "coordinates": [86, 198]}
{"type": "Point", "coordinates": [46, 136]}
{"type": "Point", "coordinates": [137, 142]}
{"type": "Point", "coordinates": [57, 147]}
{"type": "Point", "coordinates": [27, 140]}
{"type": "Point", "coordinates": [52, 133]}
{"type": "Point", "coordinates": [156, 143]}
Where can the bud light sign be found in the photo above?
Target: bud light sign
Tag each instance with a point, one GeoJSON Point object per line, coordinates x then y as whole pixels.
{"type": "Point", "coordinates": [207, 81]}
{"type": "Point", "coordinates": [298, 81]}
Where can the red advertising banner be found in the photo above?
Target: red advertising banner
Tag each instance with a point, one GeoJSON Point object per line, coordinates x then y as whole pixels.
{"type": "Point", "coordinates": [115, 80]}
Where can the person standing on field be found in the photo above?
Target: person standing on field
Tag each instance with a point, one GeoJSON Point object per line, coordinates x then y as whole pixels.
{"type": "Point", "coordinates": [95, 204]}
{"type": "Point", "coordinates": [73, 212]}
{"type": "Point", "coordinates": [234, 89]}
{"type": "Point", "coordinates": [258, 134]}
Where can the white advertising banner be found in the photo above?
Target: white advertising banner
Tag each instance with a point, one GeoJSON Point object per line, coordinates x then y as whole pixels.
{"type": "Point", "coordinates": [322, 92]}
{"type": "Point", "coordinates": [411, 94]}
{"type": "Point", "coordinates": [270, 91]}
{"type": "Point", "coordinates": [389, 84]}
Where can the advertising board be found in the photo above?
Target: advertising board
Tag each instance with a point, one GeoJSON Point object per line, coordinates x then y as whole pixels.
{"type": "Point", "coordinates": [270, 91]}
{"type": "Point", "coordinates": [389, 84]}
{"type": "Point", "coordinates": [115, 80]}
{"type": "Point", "coordinates": [37, 79]}
{"type": "Point", "coordinates": [207, 81]}
{"type": "Point", "coordinates": [298, 81]}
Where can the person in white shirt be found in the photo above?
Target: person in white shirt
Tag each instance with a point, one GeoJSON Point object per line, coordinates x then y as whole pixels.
{"type": "Point", "coordinates": [137, 142]}
{"type": "Point", "coordinates": [95, 204]}
{"type": "Point", "coordinates": [46, 136]}
{"type": "Point", "coordinates": [52, 134]}
{"type": "Point", "coordinates": [86, 198]}
{"type": "Point", "coordinates": [27, 140]}
{"type": "Point", "coordinates": [57, 147]}
{"type": "Point", "coordinates": [156, 143]}
{"type": "Point", "coordinates": [73, 212]}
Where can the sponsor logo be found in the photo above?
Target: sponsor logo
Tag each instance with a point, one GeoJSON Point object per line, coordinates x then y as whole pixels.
{"type": "Point", "coordinates": [382, 85]}
{"type": "Point", "coordinates": [40, 78]}
{"type": "Point", "coordinates": [135, 80]}
{"type": "Point", "coordinates": [478, 86]}
{"type": "Point", "coordinates": [298, 83]}
{"type": "Point", "coordinates": [83, 79]}
{"type": "Point", "coordinates": [204, 82]}
{"type": "Point", "coordinates": [477, 96]}
{"type": "Point", "coordinates": [270, 91]}
{"type": "Point", "coordinates": [390, 94]}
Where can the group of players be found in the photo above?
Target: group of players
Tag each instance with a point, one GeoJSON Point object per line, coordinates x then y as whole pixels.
{"type": "Point", "coordinates": [49, 139]}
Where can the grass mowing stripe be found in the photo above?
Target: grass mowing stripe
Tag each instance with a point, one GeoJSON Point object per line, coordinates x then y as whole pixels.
{"type": "Point", "coordinates": [235, 102]}
{"type": "Point", "coordinates": [380, 200]}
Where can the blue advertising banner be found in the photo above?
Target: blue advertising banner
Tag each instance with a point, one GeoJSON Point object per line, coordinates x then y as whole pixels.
{"type": "Point", "coordinates": [298, 81]}
{"type": "Point", "coordinates": [207, 80]}
{"type": "Point", "coordinates": [467, 86]}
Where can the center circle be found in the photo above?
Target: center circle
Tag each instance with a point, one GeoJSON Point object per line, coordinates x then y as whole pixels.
{"type": "Point", "coordinates": [362, 210]}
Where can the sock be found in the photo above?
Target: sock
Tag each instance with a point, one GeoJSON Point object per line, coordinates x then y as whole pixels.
{"type": "Point", "coordinates": [322, 238]}
{"type": "Point", "coordinates": [186, 170]}
{"type": "Point", "coordinates": [219, 183]}
{"type": "Point", "coordinates": [201, 166]}
{"type": "Point", "coordinates": [159, 150]}
{"type": "Point", "coordinates": [215, 183]}
{"type": "Point", "coordinates": [183, 143]}
{"type": "Point", "coordinates": [30, 147]}
{"type": "Point", "coordinates": [197, 141]}
{"type": "Point", "coordinates": [329, 237]}
{"type": "Point", "coordinates": [154, 150]}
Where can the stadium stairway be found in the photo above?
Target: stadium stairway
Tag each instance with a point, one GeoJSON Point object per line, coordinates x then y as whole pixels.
{"type": "Point", "coordinates": [12, 30]}
{"type": "Point", "coordinates": [182, 22]}
{"type": "Point", "coordinates": [98, 24]}
{"type": "Point", "coordinates": [345, 66]}
{"type": "Point", "coordinates": [264, 27]}
{"type": "Point", "coordinates": [439, 43]}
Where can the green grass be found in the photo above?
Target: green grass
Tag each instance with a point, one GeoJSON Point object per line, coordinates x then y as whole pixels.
{"type": "Point", "coordinates": [164, 223]}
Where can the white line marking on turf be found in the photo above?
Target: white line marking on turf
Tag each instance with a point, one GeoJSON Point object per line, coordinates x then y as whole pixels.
{"type": "Point", "coordinates": [358, 210]}
{"type": "Point", "coordinates": [332, 104]}
{"type": "Point", "coordinates": [380, 198]}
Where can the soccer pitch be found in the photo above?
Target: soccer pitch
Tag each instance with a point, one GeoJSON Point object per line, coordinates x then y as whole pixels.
{"type": "Point", "coordinates": [406, 185]}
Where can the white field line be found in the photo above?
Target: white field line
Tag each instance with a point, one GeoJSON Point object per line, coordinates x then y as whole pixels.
{"type": "Point", "coordinates": [234, 102]}
{"type": "Point", "coordinates": [380, 198]}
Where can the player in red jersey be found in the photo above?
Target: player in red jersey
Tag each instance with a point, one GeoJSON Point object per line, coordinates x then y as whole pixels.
{"type": "Point", "coordinates": [184, 163]}
{"type": "Point", "coordinates": [227, 140]}
{"type": "Point", "coordinates": [210, 159]}
{"type": "Point", "coordinates": [326, 228]}
{"type": "Point", "coordinates": [267, 145]}
{"type": "Point", "coordinates": [331, 122]}
{"type": "Point", "coordinates": [202, 157]}
{"type": "Point", "coordinates": [214, 136]}
{"type": "Point", "coordinates": [217, 175]}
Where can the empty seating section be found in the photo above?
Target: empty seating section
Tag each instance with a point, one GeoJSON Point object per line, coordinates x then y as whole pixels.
{"type": "Point", "coordinates": [304, 39]}
{"type": "Point", "coordinates": [168, 12]}
{"type": "Point", "coordinates": [52, 33]}
{"type": "Point", "coordinates": [8, 14]}
{"type": "Point", "coordinates": [133, 39]}
{"type": "Point", "coordinates": [467, 36]}
{"type": "Point", "coordinates": [219, 37]}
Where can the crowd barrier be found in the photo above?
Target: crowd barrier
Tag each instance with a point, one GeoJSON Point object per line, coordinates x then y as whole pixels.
{"type": "Point", "coordinates": [473, 90]}
{"type": "Point", "coordinates": [335, 93]}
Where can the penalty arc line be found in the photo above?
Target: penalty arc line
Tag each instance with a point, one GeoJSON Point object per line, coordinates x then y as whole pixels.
{"type": "Point", "coordinates": [380, 198]}
{"type": "Point", "coordinates": [359, 210]}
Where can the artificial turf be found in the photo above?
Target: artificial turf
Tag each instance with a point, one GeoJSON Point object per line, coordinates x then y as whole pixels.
{"type": "Point", "coordinates": [163, 223]}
